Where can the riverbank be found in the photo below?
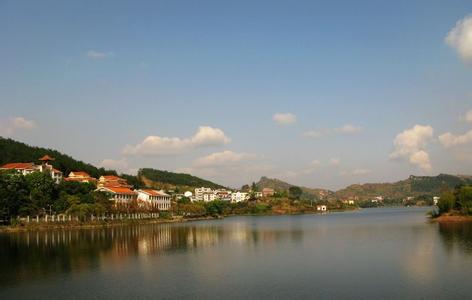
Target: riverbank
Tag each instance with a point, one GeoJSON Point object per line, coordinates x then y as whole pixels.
{"type": "Point", "coordinates": [97, 224]}
{"type": "Point", "coordinates": [451, 218]}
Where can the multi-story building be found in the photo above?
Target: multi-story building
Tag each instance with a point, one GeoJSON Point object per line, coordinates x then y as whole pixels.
{"type": "Point", "coordinates": [239, 197]}
{"type": "Point", "coordinates": [154, 199]}
{"type": "Point", "coordinates": [199, 192]}
{"type": "Point", "coordinates": [112, 181]}
{"type": "Point", "coordinates": [120, 195]}
{"type": "Point", "coordinates": [28, 168]}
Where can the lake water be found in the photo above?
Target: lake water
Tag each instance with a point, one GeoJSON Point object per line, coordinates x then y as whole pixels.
{"type": "Point", "coordinates": [370, 254]}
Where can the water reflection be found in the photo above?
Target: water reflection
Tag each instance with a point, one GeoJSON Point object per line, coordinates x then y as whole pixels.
{"type": "Point", "coordinates": [456, 236]}
{"type": "Point", "coordinates": [34, 255]}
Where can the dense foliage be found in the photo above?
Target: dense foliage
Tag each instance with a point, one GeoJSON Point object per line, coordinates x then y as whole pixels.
{"type": "Point", "coordinates": [13, 151]}
{"type": "Point", "coordinates": [37, 194]}
{"type": "Point", "coordinates": [176, 178]}
{"type": "Point", "coordinates": [459, 200]}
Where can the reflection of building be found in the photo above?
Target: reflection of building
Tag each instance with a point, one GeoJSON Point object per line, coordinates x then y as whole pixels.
{"type": "Point", "coordinates": [153, 198]}
{"type": "Point", "coordinates": [80, 176]}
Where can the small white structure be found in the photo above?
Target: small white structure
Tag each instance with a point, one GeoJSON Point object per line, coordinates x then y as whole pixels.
{"type": "Point", "coordinates": [436, 200]}
{"type": "Point", "coordinates": [239, 197]}
{"type": "Point", "coordinates": [155, 199]}
{"type": "Point", "coordinates": [321, 208]}
{"type": "Point", "coordinates": [188, 194]}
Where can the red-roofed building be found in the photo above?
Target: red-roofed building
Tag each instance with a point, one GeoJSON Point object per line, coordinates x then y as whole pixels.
{"type": "Point", "coordinates": [23, 168]}
{"type": "Point", "coordinates": [119, 194]}
{"type": "Point", "coordinates": [112, 181]}
{"type": "Point", "coordinates": [80, 176]}
{"type": "Point", "coordinates": [154, 199]}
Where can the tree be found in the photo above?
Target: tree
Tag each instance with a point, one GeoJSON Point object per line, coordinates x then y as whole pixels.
{"type": "Point", "coordinates": [41, 190]}
{"type": "Point", "coordinates": [464, 198]}
{"type": "Point", "coordinates": [294, 192]}
{"type": "Point", "coordinates": [446, 202]}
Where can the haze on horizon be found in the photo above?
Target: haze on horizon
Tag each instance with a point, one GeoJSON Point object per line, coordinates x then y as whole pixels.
{"type": "Point", "coordinates": [316, 93]}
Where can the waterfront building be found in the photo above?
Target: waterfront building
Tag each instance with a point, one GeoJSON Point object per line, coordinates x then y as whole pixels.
{"type": "Point", "coordinates": [199, 192]}
{"type": "Point", "coordinates": [154, 199]}
{"type": "Point", "coordinates": [239, 197]}
{"type": "Point", "coordinates": [120, 195]}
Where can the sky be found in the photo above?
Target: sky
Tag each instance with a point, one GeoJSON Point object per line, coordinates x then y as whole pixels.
{"type": "Point", "coordinates": [316, 93]}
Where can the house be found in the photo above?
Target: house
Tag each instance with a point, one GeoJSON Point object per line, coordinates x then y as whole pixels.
{"type": "Point", "coordinates": [120, 195]}
{"type": "Point", "coordinates": [321, 208]}
{"type": "Point", "coordinates": [154, 199]}
{"type": "Point", "coordinates": [80, 176]}
{"type": "Point", "coordinates": [268, 192]}
{"type": "Point", "coordinates": [112, 181]}
{"type": "Point", "coordinates": [223, 195]}
{"type": "Point", "coordinates": [208, 197]}
{"type": "Point", "coordinates": [23, 168]}
{"type": "Point", "coordinates": [28, 168]}
{"type": "Point", "coordinates": [239, 197]}
{"type": "Point", "coordinates": [200, 191]}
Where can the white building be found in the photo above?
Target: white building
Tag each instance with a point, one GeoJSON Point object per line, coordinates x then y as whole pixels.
{"type": "Point", "coordinates": [436, 200]}
{"type": "Point", "coordinates": [239, 197]}
{"type": "Point", "coordinates": [154, 199]}
{"type": "Point", "coordinates": [208, 197]}
{"type": "Point", "coordinates": [199, 192]}
{"type": "Point", "coordinates": [120, 195]}
{"type": "Point", "coordinates": [28, 168]}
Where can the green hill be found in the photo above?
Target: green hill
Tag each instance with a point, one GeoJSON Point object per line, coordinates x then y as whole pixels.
{"type": "Point", "coordinates": [13, 151]}
{"type": "Point", "coordinates": [171, 180]}
{"type": "Point", "coordinates": [282, 186]}
{"type": "Point", "coordinates": [411, 187]}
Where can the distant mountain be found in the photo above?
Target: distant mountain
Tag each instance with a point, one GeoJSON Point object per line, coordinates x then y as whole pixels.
{"type": "Point", "coordinates": [282, 186]}
{"type": "Point", "coordinates": [413, 186]}
{"type": "Point", "coordinates": [171, 180]}
{"type": "Point", "coordinates": [13, 151]}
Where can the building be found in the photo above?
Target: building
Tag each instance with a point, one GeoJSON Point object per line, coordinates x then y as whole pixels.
{"type": "Point", "coordinates": [436, 200]}
{"type": "Point", "coordinates": [258, 195]}
{"type": "Point", "coordinates": [268, 192]}
{"type": "Point", "coordinates": [80, 176]}
{"type": "Point", "coordinates": [112, 181]}
{"type": "Point", "coordinates": [28, 168]}
{"type": "Point", "coordinates": [239, 197]}
{"type": "Point", "coordinates": [321, 208]}
{"type": "Point", "coordinates": [199, 192]}
{"type": "Point", "coordinates": [154, 199]}
{"type": "Point", "coordinates": [209, 197]}
{"type": "Point", "coordinates": [23, 168]}
{"type": "Point", "coordinates": [120, 195]}
{"type": "Point", "coordinates": [223, 195]}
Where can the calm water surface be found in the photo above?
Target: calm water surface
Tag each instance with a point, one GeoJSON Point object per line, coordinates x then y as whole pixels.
{"type": "Point", "coordinates": [371, 254]}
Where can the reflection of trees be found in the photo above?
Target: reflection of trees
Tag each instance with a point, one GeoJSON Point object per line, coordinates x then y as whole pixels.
{"type": "Point", "coordinates": [456, 235]}
{"type": "Point", "coordinates": [33, 255]}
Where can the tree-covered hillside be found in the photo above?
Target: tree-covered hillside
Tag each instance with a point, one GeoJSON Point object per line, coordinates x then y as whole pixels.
{"type": "Point", "coordinates": [13, 151]}
{"type": "Point", "coordinates": [152, 177]}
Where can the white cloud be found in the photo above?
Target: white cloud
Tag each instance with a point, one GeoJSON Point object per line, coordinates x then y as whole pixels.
{"type": "Point", "coordinates": [157, 145]}
{"type": "Point", "coordinates": [411, 144]}
{"type": "Point", "coordinates": [225, 158]}
{"type": "Point", "coordinates": [345, 129]}
{"type": "Point", "coordinates": [10, 126]}
{"type": "Point", "coordinates": [468, 116]}
{"type": "Point", "coordinates": [284, 118]}
{"type": "Point", "coordinates": [449, 140]}
{"type": "Point", "coordinates": [93, 54]}
{"type": "Point", "coordinates": [460, 38]}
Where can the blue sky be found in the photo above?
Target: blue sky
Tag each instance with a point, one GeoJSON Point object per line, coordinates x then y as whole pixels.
{"type": "Point", "coordinates": [128, 84]}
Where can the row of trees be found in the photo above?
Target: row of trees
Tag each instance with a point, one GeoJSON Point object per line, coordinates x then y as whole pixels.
{"type": "Point", "coordinates": [37, 194]}
{"type": "Point", "coordinates": [458, 200]}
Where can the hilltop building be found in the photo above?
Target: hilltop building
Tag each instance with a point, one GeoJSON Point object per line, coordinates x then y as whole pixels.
{"type": "Point", "coordinates": [112, 181]}
{"type": "Point", "coordinates": [28, 168]}
{"type": "Point", "coordinates": [80, 176]}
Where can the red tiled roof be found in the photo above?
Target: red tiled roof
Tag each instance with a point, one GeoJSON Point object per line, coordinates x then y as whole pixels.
{"type": "Point", "coordinates": [80, 173]}
{"type": "Point", "coordinates": [151, 192]}
{"type": "Point", "coordinates": [112, 177]}
{"type": "Point", "coordinates": [56, 170]}
{"type": "Point", "coordinates": [18, 166]}
{"type": "Point", "coordinates": [46, 158]}
{"type": "Point", "coordinates": [120, 190]}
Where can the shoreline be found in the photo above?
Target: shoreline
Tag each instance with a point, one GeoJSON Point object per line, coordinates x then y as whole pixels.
{"type": "Point", "coordinates": [452, 219]}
